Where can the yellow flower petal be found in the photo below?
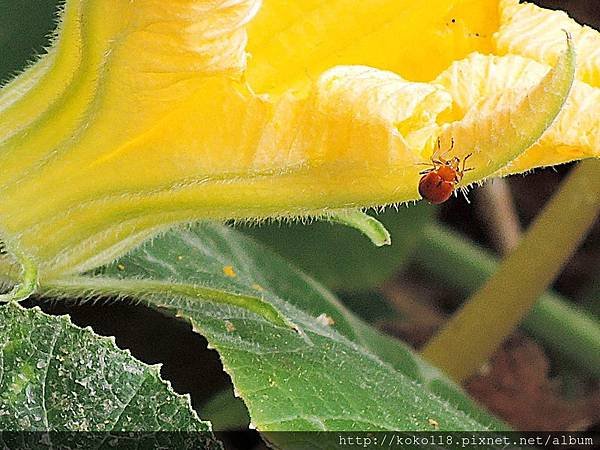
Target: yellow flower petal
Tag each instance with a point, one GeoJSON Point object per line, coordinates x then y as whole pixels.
{"type": "Point", "coordinates": [161, 117]}
{"type": "Point", "coordinates": [292, 42]}
{"type": "Point", "coordinates": [574, 135]}
{"type": "Point", "coordinates": [45, 81]}
{"type": "Point", "coordinates": [357, 109]}
{"type": "Point", "coordinates": [537, 33]}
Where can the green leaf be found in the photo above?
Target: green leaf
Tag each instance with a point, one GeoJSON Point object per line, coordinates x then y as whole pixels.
{"type": "Point", "coordinates": [340, 257]}
{"type": "Point", "coordinates": [315, 377]}
{"type": "Point", "coordinates": [55, 376]}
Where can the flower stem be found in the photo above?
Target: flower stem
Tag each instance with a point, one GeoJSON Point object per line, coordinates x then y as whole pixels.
{"type": "Point", "coordinates": [564, 329]}
{"type": "Point", "coordinates": [484, 321]}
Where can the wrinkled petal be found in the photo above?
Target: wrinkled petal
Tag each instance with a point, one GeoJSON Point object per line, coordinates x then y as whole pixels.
{"type": "Point", "coordinates": [538, 33]}
{"type": "Point", "coordinates": [574, 135]}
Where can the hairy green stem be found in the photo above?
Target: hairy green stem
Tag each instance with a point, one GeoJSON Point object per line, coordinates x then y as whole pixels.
{"type": "Point", "coordinates": [484, 321]}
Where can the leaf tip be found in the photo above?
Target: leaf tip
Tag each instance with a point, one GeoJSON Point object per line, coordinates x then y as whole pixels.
{"type": "Point", "coordinates": [367, 225]}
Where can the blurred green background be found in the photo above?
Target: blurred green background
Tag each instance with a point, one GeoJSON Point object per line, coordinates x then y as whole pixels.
{"type": "Point", "coordinates": [25, 30]}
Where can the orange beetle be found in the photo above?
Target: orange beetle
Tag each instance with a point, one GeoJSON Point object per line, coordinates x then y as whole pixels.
{"type": "Point", "coordinates": [439, 182]}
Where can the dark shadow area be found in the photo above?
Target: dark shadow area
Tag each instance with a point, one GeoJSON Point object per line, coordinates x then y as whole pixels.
{"type": "Point", "coordinates": [29, 19]}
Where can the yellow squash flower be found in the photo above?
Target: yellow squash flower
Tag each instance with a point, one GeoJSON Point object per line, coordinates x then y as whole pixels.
{"type": "Point", "coordinates": [150, 113]}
